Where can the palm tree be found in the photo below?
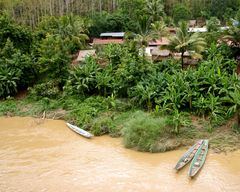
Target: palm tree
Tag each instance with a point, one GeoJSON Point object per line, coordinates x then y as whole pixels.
{"type": "Point", "coordinates": [159, 29]}
{"type": "Point", "coordinates": [184, 41]}
{"type": "Point", "coordinates": [155, 8]}
{"type": "Point", "coordinates": [144, 34]}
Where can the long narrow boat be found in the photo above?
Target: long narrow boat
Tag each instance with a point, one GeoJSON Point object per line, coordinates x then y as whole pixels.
{"type": "Point", "coordinates": [199, 159]}
{"type": "Point", "coordinates": [79, 131]}
{"type": "Point", "coordinates": [188, 156]}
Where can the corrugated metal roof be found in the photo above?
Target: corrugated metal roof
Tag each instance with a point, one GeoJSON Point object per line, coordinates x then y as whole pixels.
{"type": "Point", "coordinates": [204, 29]}
{"type": "Point", "coordinates": [197, 30]}
{"type": "Point", "coordinates": [112, 34]}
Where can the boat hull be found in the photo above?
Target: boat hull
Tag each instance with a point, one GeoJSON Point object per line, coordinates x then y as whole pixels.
{"type": "Point", "coordinates": [188, 156]}
{"type": "Point", "coordinates": [199, 159]}
{"type": "Point", "coordinates": [79, 131]}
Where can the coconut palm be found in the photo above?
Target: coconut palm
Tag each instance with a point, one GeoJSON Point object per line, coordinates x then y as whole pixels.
{"type": "Point", "coordinates": [144, 34]}
{"type": "Point", "coordinates": [184, 41]}
{"type": "Point", "coordinates": [73, 28]}
{"type": "Point", "coordinates": [159, 29]}
{"type": "Point", "coordinates": [155, 8]}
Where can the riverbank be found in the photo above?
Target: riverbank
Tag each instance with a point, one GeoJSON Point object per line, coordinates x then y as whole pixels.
{"type": "Point", "coordinates": [44, 152]}
{"type": "Point", "coordinates": [142, 131]}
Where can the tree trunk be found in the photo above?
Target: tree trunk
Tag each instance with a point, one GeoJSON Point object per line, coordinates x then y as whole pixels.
{"type": "Point", "coordinates": [238, 118]}
{"type": "Point", "coordinates": [190, 103]}
{"type": "Point", "coordinates": [182, 54]}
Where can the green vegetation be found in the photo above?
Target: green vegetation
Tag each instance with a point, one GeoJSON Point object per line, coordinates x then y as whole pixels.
{"type": "Point", "coordinates": [144, 132]}
{"type": "Point", "coordinates": [120, 91]}
{"type": "Point", "coordinates": [183, 42]}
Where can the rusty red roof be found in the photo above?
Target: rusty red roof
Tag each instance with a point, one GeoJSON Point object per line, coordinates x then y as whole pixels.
{"type": "Point", "coordinates": [97, 41]}
{"type": "Point", "coordinates": [159, 42]}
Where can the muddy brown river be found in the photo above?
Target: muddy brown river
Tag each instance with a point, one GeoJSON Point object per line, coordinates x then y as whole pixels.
{"type": "Point", "coordinates": [44, 155]}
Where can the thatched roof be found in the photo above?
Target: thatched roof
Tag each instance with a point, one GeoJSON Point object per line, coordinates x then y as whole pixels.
{"type": "Point", "coordinates": [97, 41]}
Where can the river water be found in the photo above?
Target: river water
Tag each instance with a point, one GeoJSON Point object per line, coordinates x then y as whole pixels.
{"type": "Point", "coordinates": [44, 155]}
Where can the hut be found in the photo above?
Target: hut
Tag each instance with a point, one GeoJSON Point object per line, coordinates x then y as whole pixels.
{"type": "Point", "coordinates": [159, 55]}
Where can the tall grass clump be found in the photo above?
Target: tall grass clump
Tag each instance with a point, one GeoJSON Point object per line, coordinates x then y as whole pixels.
{"type": "Point", "coordinates": [143, 132]}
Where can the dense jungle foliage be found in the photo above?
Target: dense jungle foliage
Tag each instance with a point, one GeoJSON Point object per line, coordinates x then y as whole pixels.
{"type": "Point", "coordinates": [39, 41]}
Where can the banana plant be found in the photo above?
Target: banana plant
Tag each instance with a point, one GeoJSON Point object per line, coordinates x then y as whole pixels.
{"type": "Point", "coordinates": [83, 77]}
{"type": "Point", "coordinates": [177, 120]}
{"type": "Point", "coordinates": [216, 109]}
{"type": "Point", "coordinates": [8, 80]}
{"type": "Point", "coordinates": [103, 81]}
{"type": "Point", "coordinates": [144, 93]}
{"type": "Point", "coordinates": [234, 99]}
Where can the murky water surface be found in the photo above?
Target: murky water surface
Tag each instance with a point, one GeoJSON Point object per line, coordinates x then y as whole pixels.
{"type": "Point", "coordinates": [37, 155]}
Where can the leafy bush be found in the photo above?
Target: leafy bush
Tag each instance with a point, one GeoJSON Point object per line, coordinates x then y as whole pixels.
{"type": "Point", "coordinates": [8, 106]}
{"type": "Point", "coordinates": [83, 111]}
{"type": "Point", "coordinates": [16, 70]}
{"type": "Point", "coordinates": [82, 78]}
{"type": "Point", "coordinates": [101, 126]}
{"type": "Point", "coordinates": [47, 89]}
{"type": "Point", "coordinates": [181, 12]}
{"type": "Point", "coordinates": [53, 58]}
{"type": "Point", "coordinates": [20, 36]}
{"type": "Point", "coordinates": [70, 29]}
{"type": "Point", "coordinates": [8, 81]}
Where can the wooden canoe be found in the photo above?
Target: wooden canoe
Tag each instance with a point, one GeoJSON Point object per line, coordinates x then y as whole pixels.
{"type": "Point", "coordinates": [79, 131]}
{"type": "Point", "coordinates": [188, 156]}
{"type": "Point", "coordinates": [198, 159]}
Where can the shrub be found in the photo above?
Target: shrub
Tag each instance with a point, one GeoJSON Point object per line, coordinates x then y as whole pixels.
{"type": "Point", "coordinates": [16, 70]}
{"type": "Point", "coordinates": [8, 81]}
{"type": "Point", "coordinates": [83, 111]}
{"type": "Point", "coordinates": [181, 12]}
{"type": "Point", "coordinates": [101, 126]}
{"type": "Point", "coordinates": [82, 78]}
{"type": "Point", "coordinates": [144, 132]}
{"type": "Point", "coordinates": [48, 89]}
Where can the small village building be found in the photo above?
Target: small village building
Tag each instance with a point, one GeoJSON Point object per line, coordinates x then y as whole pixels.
{"type": "Point", "coordinates": [188, 58]}
{"type": "Point", "coordinates": [109, 38]}
{"type": "Point", "coordinates": [204, 29]}
{"type": "Point", "coordinates": [159, 55]}
{"type": "Point", "coordinates": [154, 46]}
{"type": "Point", "coordinates": [116, 35]}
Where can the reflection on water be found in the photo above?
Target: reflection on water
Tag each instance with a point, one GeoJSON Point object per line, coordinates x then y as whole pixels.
{"type": "Point", "coordinates": [37, 155]}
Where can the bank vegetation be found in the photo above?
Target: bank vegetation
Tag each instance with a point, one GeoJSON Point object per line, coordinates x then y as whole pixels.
{"type": "Point", "coordinates": [154, 106]}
